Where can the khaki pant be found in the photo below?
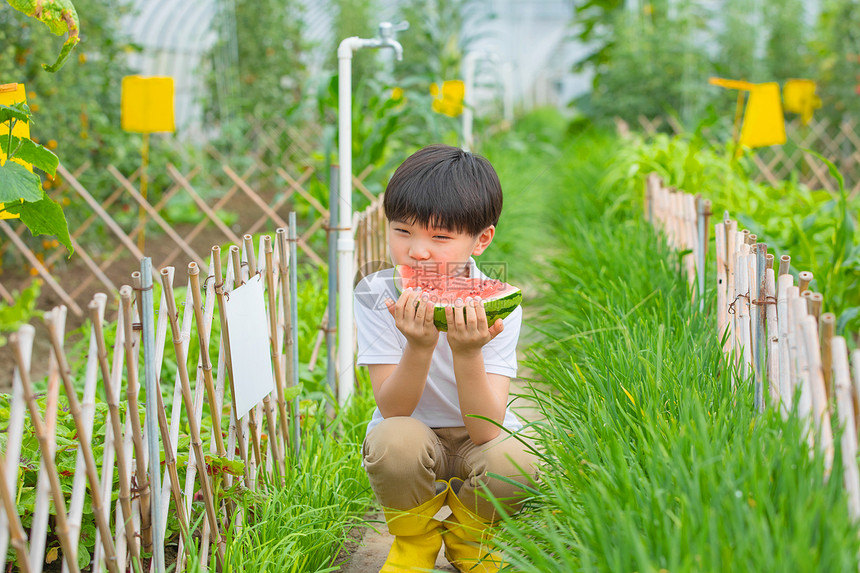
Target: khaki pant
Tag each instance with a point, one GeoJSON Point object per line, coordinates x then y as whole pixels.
{"type": "Point", "coordinates": [404, 457]}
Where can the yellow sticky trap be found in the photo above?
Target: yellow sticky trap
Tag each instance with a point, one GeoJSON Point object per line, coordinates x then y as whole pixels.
{"type": "Point", "coordinates": [763, 123]}
{"type": "Point", "coordinates": [798, 96]}
{"type": "Point", "coordinates": [147, 104]}
{"type": "Point", "coordinates": [9, 94]}
{"type": "Point", "coordinates": [450, 101]}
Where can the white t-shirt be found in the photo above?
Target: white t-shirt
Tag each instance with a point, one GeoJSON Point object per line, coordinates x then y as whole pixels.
{"type": "Point", "coordinates": [379, 342]}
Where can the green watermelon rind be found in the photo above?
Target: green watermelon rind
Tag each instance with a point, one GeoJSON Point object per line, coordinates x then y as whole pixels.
{"type": "Point", "coordinates": [495, 308]}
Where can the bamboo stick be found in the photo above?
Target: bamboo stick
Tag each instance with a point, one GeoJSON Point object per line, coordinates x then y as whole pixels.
{"type": "Point", "coordinates": [15, 431]}
{"type": "Point", "coordinates": [61, 527]}
{"type": "Point", "coordinates": [786, 388]}
{"type": "Point", "coordinates": [41, 512]}
{"type": "Point", "coordinates": [784, 264]}
{"type": "Point", "coordinates": [815, 301]}
{"type": "Point", "coordinates": [108, 454]}
{"type": "Point", "coordinates": [79, 484]}
{"type": "Point", "coordinates": [855, 387]}
{"type": "Point", "coordinates": [772, 337]}
{"type": "Point", "coordinates": [752, 301]}
{"type": "Point", "coordinates": [845, 408]}
{"type": "Point", "coordinates": [284, 252]}
{"type": "Point", "coordinates": [743, 313]}
{"type": "Point", "coordinates": [797, 314]}
{"type": "Point", "coordinates": [690, 240]}
{"type": "Point", "coordinates": [809, 328]}
{"type": "Point", "coordinates": [132, 391]}
{"type": "Point", "coordinates": [274, 348]}
{"type": "Point", "coordinates": [703, 213]}
{"type": "Point", "coordinates": [172, 473]}
{"type": "Point", "coordinates": [176, 406]}
{"type": "Point", "coordinates": [196, 442]}
{"type": "Point", "coordinates": [203, 339]}
{"type": "Point", "coordinates": [731, 289]}
{"type": "Point", "coordinates": [722, 277]}
{"type": "Point", "coordinates": [805, 278]}
{"type": "Point", "coordinates": [759, 320]}
{"type": "Point", "coordinates": [827, 329]}
{"type": "Point", "coordinates": [753, 239]}
{"type": "Point", "coordinates": [16, 532]}
{"type": "Point", "coordinates": [116, 423]}
{"type": "Point", "coordinates": [85, 447]}
{"type": "Point", "coordinates": [225, 336]}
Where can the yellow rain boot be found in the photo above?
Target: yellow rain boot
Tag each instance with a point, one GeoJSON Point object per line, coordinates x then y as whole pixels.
{"type": "Point", "coordinates": [467, 538]}
{"type": "Point", "coordinates": [417, 535]}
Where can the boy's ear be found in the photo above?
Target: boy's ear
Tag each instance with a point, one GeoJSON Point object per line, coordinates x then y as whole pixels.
{"type": "Point", "coordinates": [484, 240]}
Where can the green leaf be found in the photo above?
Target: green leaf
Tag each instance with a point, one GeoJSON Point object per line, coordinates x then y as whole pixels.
{"type": "Point", "coordinates": [68, 46]}
{"type": "Point", "coordinates": [19, 111]}
{"type": "Point", "coordinates": [17, 182]}
{"type": "Point", "coordinates": [45, 217]}
{"type": "Point", "coordinates": [31, 152]}
{"type": "Point", "coordinates": [292, 392]}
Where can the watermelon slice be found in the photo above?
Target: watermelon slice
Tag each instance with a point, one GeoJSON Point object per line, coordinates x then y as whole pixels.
{"type": "Point", "coordinates": [499, 298]}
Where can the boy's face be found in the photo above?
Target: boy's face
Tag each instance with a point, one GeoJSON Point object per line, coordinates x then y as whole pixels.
{"type": "Point", "coordinates": [432, 250]}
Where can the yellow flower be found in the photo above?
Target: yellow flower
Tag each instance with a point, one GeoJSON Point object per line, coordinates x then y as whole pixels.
{"type": "Point", "coordinates": [34, 107]}
{"type": "Point", "coordinates": [52, 144]}
{"type": "Point", "coordinates": [82, 57]}
{"type": "Point", "coordinates": [397, 94]}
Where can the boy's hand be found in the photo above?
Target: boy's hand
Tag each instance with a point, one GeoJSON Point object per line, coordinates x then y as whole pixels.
{"type": "Point", "coordinates": [413, 316]}
{"type": "Point", "coordinates": [469, 332]}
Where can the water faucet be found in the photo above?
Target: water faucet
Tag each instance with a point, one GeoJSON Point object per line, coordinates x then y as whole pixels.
{"type": "Point", "coordinates": [385, 38]}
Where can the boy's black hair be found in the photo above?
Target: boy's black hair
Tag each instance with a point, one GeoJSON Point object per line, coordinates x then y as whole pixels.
{"type": "Point", "coordinates": [446, 187]}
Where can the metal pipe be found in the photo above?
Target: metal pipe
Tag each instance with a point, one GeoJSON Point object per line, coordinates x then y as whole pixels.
{"type": "Point", "coordinates": [332, 283]}
{"type": "Point", "coordinates": [294, 328]}
{"type": "Point", "coordinates": [345, 238]}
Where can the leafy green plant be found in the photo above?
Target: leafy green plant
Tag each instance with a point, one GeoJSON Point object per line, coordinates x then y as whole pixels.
{"type": "Point", "coordinates": [12, 316]}
{"type": "Point", "coordinates": [818, 229]}
{"type": "Point", "coordinates": [653, 456]}
{"type": "Point", "coordinates": [60, 17]}
{"type": "Point", "coordinates": [21, 190]}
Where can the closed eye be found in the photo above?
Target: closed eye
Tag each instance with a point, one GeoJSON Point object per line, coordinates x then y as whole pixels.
{"type": "Point", "coordinates": [441, 237]}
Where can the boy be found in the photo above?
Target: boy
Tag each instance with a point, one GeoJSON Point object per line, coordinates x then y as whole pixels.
{"type": "Point", "coordinates": [427, 444]}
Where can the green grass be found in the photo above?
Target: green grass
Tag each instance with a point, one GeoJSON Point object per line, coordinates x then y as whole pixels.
{"type": "Point", "coordinates": [303, 526]}
{"type": "Point", "coordinates": [651, 460]}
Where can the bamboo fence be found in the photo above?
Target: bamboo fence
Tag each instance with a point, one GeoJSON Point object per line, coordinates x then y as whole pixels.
{"type": "Point", "coordinates": [773, 330]}
{"type": "Point", "coordinates": [271, 177]}
{"type": "Point", "coordinates": [775, 164]}
{"type": "Point", "coordinates": [137, 522]}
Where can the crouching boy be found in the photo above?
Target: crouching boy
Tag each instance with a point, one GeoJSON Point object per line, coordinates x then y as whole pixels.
{"type": "Point", "coordinates": [428, 444]}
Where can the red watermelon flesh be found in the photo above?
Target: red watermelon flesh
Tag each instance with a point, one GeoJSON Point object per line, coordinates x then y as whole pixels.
{"type": "Point", "coordinates": [498, 298]}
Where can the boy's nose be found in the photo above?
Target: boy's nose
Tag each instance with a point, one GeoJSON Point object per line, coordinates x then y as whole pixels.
{"type": "Point", "coordinates": [419, 253]}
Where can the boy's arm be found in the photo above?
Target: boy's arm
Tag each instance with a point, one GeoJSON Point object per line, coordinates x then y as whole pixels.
{"type": "Point", "coordinates": [480, 394]}
{"type": "Point", "coordinates": [397, 388]}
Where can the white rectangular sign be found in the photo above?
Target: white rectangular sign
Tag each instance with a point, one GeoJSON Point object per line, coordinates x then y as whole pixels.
{"type": "Point", "coordinates": [249, 345]}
